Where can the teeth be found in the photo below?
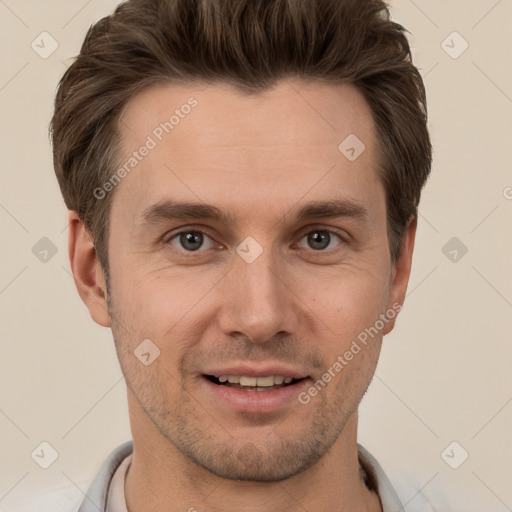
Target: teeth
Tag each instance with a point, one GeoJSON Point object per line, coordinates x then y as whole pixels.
{"type": "Point", "coordinates": [265, 381]}
{"type": "Point", "coordinates": [248, 381]}
{"type": "Point", "coordinates": [260, 382]}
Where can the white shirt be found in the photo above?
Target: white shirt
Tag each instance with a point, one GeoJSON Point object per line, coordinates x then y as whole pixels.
{"type": "Point", "coordinates": [115, 500]}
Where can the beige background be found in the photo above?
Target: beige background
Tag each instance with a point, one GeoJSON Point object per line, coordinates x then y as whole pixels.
{"type": "Point", "coordinates": [445, 372]}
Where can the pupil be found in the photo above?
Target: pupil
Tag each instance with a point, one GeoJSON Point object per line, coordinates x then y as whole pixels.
{"type": "Point", "coordinates": [319, 240]}
{"type": "Point", "coordinates": [191, 240]}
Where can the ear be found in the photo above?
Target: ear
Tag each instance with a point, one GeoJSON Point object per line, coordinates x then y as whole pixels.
{"type": "Point", "coordinates": [87, 271]}
{"type": "Point", "coordinates": [401, 272]}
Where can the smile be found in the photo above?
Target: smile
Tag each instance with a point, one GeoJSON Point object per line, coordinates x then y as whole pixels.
{"type": "Point", "coordinates": [230, 391]}
{"type": "Point", "coordinates": [264, 383]}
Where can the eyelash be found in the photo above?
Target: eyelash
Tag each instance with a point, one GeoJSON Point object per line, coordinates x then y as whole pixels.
{"type": "Point", "coordinates": [169, 238]}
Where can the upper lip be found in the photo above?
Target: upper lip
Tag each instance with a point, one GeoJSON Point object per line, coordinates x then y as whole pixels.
{"type": "Point", "coordinates": [260, 370]}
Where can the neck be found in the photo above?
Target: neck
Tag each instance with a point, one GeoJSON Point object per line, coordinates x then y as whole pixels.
{"type": "Point", "coordinates": [160, 476]}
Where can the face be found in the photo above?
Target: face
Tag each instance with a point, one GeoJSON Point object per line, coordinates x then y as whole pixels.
{"type": "Point", "coordinates": [247, 247]}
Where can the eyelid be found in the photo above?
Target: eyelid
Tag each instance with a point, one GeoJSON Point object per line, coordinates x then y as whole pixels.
{"type": "Point", "coordinates": [345, 237]}
{"type": "Point", "coordinates": [343, 241]}
{"type": "Point", "coordinates": [168, 240]}
{"type": "Point", "coordinates": [186, 229]}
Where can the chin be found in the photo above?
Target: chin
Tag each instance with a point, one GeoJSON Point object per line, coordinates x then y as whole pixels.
{"type": "Point", "coordinates": [273, 462]}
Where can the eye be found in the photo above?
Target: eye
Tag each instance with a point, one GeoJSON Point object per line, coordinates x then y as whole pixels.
{"type": "Point", "coordinates": [320, 239]}
{"type": "Point", "coordinates": [191, 240]}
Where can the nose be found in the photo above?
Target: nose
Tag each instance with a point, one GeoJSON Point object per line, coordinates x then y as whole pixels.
{"type": "Point", "coordinates": [258, 300]}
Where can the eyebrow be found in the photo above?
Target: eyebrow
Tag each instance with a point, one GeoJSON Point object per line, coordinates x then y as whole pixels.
{"type": "Point", "coordinates": [172, 210]}
{"type": "Point", "coordinates": [334, 208]}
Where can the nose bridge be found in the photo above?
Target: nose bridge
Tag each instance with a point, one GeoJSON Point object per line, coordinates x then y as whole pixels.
{"type": "Point", "coordinates": [258, 303]}
{"type": "Point", "coordinates": [260, 280]}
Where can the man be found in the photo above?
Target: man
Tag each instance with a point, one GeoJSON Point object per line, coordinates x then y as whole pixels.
{"type": "Point", "coordinates": [243, 178]}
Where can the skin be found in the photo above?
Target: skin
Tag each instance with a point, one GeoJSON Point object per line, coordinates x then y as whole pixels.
{"type": "Point", "coordinates": [257, 159]}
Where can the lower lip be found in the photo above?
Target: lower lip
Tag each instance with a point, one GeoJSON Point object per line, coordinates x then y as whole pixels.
{"type": "Point", "coordinates": [256, 401]}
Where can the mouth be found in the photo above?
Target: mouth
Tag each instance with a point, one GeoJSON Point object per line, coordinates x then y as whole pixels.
{"type": "Point", "coordinates": [249, 383]}
{"type": "Point", "coordinates": [262, 388]}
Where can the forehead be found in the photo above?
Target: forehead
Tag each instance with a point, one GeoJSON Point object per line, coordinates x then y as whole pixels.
{"type": "Point", "coordinates": [310, 112]}
{"type": "Point", "coordinates": [214, 142]}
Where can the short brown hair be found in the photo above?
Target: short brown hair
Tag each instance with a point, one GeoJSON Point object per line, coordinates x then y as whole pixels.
{"type": "Point", "coordinates": [250, 44]}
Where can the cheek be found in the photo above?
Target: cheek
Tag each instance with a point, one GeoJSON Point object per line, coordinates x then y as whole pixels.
{"type": "Point", "coordinates": [160, 296]}
{"type": "Point", "coordinates": [172, 311]}
{"type": "Point", "coordinates": [171, 303]}
{"type": "Point", "coordinates": [348, 301]}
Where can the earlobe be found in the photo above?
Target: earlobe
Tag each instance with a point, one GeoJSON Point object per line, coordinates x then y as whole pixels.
{"type": "Point", "coordinates": [87, 272]}
{"type": "Point", "coordinates": [401, 272]}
